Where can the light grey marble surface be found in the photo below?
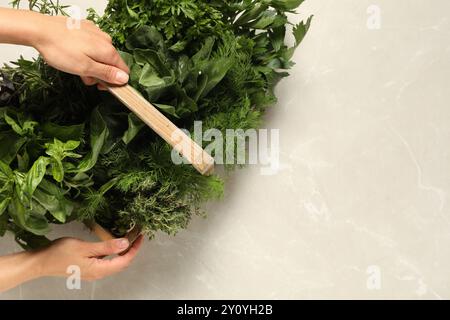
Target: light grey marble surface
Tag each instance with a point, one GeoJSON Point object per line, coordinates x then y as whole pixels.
{"type": "Point", "coordinates": [360, 206]}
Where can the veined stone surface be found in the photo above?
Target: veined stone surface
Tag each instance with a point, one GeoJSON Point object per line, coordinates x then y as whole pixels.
{"type": "Point", "coordinates": [360, 205]}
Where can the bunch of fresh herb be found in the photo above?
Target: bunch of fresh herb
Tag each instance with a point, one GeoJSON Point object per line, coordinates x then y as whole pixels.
{"type": "Point", "coordinates": [68, 152]}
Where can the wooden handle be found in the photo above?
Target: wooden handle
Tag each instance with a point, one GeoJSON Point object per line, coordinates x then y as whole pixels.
{"type": "Point", "coordinates": [100, 232]}
{"type": "Point", "coordinates": [151, 116]}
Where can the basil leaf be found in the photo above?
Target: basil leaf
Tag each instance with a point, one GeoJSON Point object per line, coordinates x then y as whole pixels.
{"type": "Point", "coordinates": [35, 175]}
{"type": "Point", "coordinates": [99, 134]}
{"type": "Point", "coordinates": [4, 203]}
{"type": "Point", "coordinates": [52, 199]}
{"type": "Point", "coordinates": [26, 219]}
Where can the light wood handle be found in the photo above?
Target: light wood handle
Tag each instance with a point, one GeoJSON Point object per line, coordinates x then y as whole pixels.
{"type": "Point", "coordinates": [101, 232]}
{"type": "Point", "coordinates": [151, 116]}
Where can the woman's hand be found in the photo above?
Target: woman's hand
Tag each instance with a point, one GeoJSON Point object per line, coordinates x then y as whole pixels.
{"type": "Point", "coordinates": [82, 49]}
{"type": "Point", "coordinates": [57, 258]}
{"type": "Point", "coordinates": [63, 253]}
{"type": "Point", "coordinates": [79, 47]}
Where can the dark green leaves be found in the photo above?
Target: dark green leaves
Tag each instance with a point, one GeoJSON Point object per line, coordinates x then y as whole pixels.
{"type": "Point", "coordinates": [10, 144]}
{"type": "Point", "coordinates": [63, 133]}
{"type": "Point", "coordinates": [251, 14]}
{"type": "Point", "coordinates": [205, 52]}
{"type": "Point", "coordinates": [214, 72]}
{"type": "Point", "coordinates": [134, 126]}
{"type": "Point", "coordinates": [144, 38]}
{"type": "Point", "coordinates": [99, 134]}
{"type": "Point", "coordinates": [4, 219]}
{"type": "Point", "coordinates": [149, 77]}
{"type": "Point", "coordinates": [174, 85]}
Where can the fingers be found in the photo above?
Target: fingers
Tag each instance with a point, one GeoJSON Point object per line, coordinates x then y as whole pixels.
{"type": "Point", "coordinates": [106, 53]}
{"type": "Point", "coordinates": [107, 248]}
{"type": "Point", "coordinates": [108, 73]}
{"type": "Point", "coordinates": [101, 87]}
{"type": "Point", "coordinates": [109, 267]}
{"type": "Point", "coordinates": [101, 59]}
{"type": "Point", "coordinates": [107, 64]}
{"type": "Point", "coordinates": [89, 81]}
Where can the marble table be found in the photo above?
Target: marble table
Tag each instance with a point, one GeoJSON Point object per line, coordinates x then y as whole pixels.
{"type": "Point", "coordinates": [360, 205]}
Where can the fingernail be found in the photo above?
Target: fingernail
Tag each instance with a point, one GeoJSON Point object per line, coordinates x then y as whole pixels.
{"type": "Point", "coordinates": [122, 77]}
{"type": "Point", "coordinates": [123, 243]}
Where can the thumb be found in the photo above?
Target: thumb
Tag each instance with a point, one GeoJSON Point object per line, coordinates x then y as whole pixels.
{"type": "Point", "coordinates": [109, 74]}
{"type": "Point", "coordinates": [108, 248]}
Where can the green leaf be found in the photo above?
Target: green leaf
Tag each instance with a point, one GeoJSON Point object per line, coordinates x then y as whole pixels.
{"type": "Point", "coordinates": [27, 128]}
{"type": "Point", "coordinates": [57, 170]}
{"type": "Point", "coordinates": [53, 200]}
{"type": "Point", "coordinates": [149, 78]}
{"type": "Point", "coordinates": [170, 110]}
{"type": "Point", "coordinates": [152, 57]}
{"type": "Point", "coordinates": [63, 133]}
{"type": "Point", "coordinates": [135, 74]}
{"type": "Point", "coordinates": [10, 145]}
{"type": "Point", "coordinates": [127, 57]}
{"type": "Point", "coordinates": [132, 14]}
{"type": "Point", "coordinates": [183, 68]}
{"type": "Point", "coordinates": [135, 125]}
{"type": "Point", "coordinates": [4, 219]}
{"type": "Point", "coordinates": [145, 37]}
{"type": "Point", "coordinates": [301, 29]}
{"type": "Point", "coordinates": [58, 151]}
{"type": "Point", "coordinates": [287, 5]}
{"type": "Point", "coordinates": [23, 161]}
{"type": "Point", "coordinates": [71, 145]}
{"type": "Point", "coordinates": [14, 125]}
{"type": "Point", "coordinates": [4, 203]}
{"type": "Point", "coordinates": [280, 21]}
{"type": "Point", "coordinates": [215, 70]}
{"type": "Point", "coordinates": [35, 175]}
{"type": "Point", "coordinates": [179, 46]}
{"type": "Point", "coordinates": [6, 171]}
{"type": "Point", "coordinates": [251, 14]}
{"type": "Point", "coordinates": [99, 134]}
{"type": "Point", "coordinates": [27, 220]}
{"type": "Point", "coordinates": [186, 104]}
{"type": "Point", "coordinates": [205, 52]}
{"type": "Point", "coordinates": [266, 19]}
{"type": "Point", "coordinates": [277, 37]}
